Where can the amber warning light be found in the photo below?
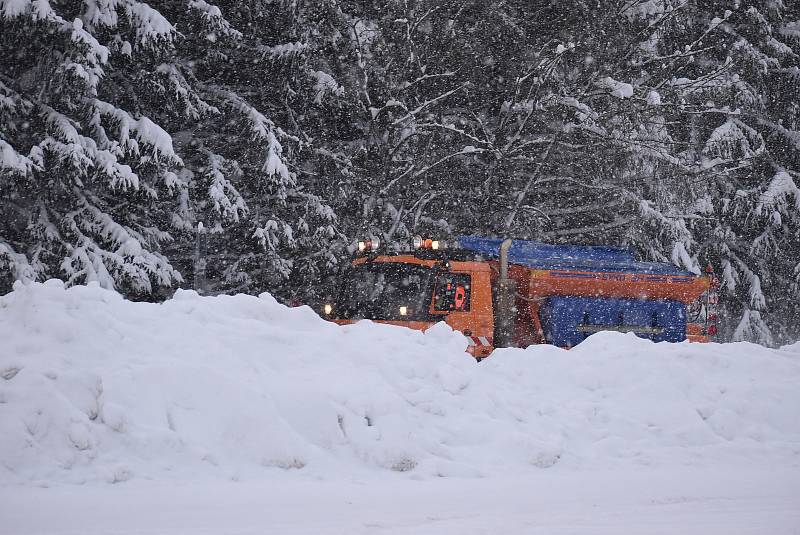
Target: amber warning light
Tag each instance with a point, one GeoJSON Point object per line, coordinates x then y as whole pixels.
{"type": "Point", "coordinates": [427, 243]}
{"type": "Point", "coordinates": [369, 245]}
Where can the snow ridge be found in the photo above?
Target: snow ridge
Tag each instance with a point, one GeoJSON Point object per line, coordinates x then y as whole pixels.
{"type": "Point", "coordinates": [96, 388]}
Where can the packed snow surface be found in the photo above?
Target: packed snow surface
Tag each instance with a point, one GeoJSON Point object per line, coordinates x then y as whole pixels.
{"type": "Point", "coordinates": [94, 388]}
{"type": "Point", "coordinates": [547, 502]}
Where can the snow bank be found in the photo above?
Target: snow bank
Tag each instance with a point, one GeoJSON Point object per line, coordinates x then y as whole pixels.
{"type": "Point", "coordinates": [93, 387]}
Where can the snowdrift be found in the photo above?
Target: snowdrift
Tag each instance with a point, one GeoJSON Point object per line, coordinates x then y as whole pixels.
{"type": "Point", "coordinates": [93, 387]}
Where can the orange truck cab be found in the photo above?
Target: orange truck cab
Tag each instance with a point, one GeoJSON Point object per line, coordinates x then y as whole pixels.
{"type": "Point", "coordinates": [516, 293]}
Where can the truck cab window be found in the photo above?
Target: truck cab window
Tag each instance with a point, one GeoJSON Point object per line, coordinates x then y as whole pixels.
{"type": "Point", "coordinates": [386, 291]}
{"type": "Point", "coordinates": [452, 292]}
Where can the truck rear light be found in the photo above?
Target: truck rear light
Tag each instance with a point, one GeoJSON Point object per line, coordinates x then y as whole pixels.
{"type": "Point", "coordinates": [712, 330]}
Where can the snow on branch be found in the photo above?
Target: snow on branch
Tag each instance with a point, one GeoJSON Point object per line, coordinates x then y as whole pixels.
{"type": "Point", "coordinates": [791, 30]}
{"type": "Point", "coordinates": [797, 275]}
{"type": "Point", "coordinates": [765, 244]}
{"type": "Point", "coordinates": [621, 90]}
{"type": "Point", "coordinates": [11, 160]}
{"type": "Point", "coordinates": [152, 29]}
{"type": "Point", "coordinates": [680, 257]}
{"type": "Point", "coordinates": [213, 19]}
{"type": "Point", "coordinates": [16, 263]}
{"type": "Point", "coordinates": [92, 55]}
{"type": "Point", "coordinates": [36, 9]}
{"type": "Point", "coordinates": [263, 129]}
{"type": "Point", "coordinates": [121, 256]}
{"type": "Point", "coordinates": [324, 83]}
{"type": "Point", "coordinates": [83, 153]}
{"type": "Point", "coordinates": [284, 50]}
{"type": "Point", "coordinates": [11, 101]}
{"type": "Point", "coordinates": [273, 233]}
{"type": "Point", "coordinates": [101, 13]}
{"type": "Point", "coordinates": [730, 277]}
{"type": "Point", "coordinates": [96, 53]}
{"type": "Point", "coordinates": [257, 122]}
{"type": "Point", "coordinates": [793, 136]}
{"type": "Point", "coordinates": [227, 200]}
{"type": "Point", "coordinates": [776, 197]}
{"type": "Point", "coordinates": [755, 294]}
{"type": "Point", "coordinates": [676, 230]}
{"type": "Point", "coordinates": [752, 327]}
{"type": "Point", "coordinates": [643, 9]}
{"type": "Point", "coordinates": [586, 118]}
{"type": "Point", "coordinates": [146, 132]}
{"type": "Point", "coordinates": [274, 164]}
{"type": "Point", "coordinates": [732, 141]}
{"type": "Point", "coordinates": [179, 88]}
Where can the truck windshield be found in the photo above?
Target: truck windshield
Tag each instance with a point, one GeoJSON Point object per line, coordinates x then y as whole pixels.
{"type": "Point", "coordinates": [386, 291]}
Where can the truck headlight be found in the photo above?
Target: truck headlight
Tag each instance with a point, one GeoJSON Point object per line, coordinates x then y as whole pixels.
{"type": "Point", "coordinates": [328, 308]}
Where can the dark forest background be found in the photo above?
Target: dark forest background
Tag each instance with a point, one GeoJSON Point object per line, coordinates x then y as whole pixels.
{"type": "Point", "coordinates": [291, 128]}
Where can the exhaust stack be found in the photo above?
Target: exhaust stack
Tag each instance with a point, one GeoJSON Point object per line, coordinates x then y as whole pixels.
{"type": "Point", "coordinates": [506, 309]}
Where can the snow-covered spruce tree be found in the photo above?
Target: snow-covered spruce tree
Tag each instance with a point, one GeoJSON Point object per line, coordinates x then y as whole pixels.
{"type": "Point", "coordinates": [94, 179]}
{"type": "Point", "coordinates": [755, 151]}
{"type": "Point", "coordinates": [706, 126]}
{"type": "Point", "coordinates": [82, 177]}
{"type": "Point", "coordinates": [268, 228]}
{"type": "Point", "coordinates": [758, 156]}
{"type": "Point", "coordinates": [732, 100]}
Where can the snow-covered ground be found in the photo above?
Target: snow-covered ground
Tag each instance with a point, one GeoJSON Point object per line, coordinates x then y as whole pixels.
{"type": "Point", "coordinates": [620, 502]}
{"type": "Point", "coordinates": [238, 415]}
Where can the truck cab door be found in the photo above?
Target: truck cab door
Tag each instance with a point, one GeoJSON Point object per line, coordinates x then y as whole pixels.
{"type": "Point", "coordinates": [456, 300]}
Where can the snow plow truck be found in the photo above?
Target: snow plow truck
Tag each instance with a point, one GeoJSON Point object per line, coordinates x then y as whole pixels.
{"type": "Point", "coordinates": [514, 293]}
